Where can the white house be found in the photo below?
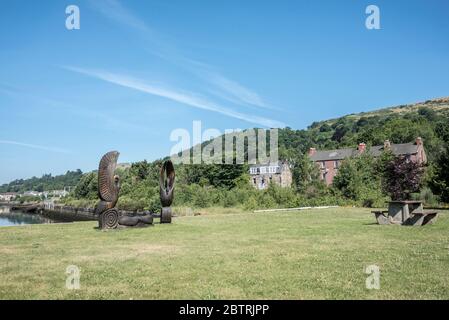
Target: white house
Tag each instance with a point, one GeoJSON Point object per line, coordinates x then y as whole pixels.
{"type": "Point", "coordinates": [264, 174]}
{"type": "Point", "coordinates": [8, 196]}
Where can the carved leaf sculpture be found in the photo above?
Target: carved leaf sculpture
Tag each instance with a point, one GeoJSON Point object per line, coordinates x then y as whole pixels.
{"type": "Point", "coordinates": [107, 185]}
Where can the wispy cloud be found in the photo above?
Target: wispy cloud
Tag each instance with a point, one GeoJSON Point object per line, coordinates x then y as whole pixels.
{"type": "Point", "coordinates": [231, 90]}
{"type": "Point", "coordinates": [35, 146]}
{"type": "Point", "coordinates": [184, 97]}
{"type": "Point", "coordinates": [239, 93]}
{"type": "Point", "coordinates": [114, 10]}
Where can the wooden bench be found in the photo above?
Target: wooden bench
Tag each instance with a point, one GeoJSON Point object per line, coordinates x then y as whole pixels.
{"type": "Point", "coordinates": [416, 218]}
{"type": "Point", "coordinates": [421, 218]}
{"type": "Point", "coordinates": [382, 217]}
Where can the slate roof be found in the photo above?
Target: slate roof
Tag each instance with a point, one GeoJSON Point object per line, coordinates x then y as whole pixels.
{"type": "Point", "coordinates": [340, 154]}
{"type": "Point", "coordinates": [337, 154]}
{"type": "Point", "coordinates": [398, 149]}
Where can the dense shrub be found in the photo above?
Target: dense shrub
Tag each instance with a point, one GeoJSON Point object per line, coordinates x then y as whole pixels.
{"type": "Point", "coordinates": [427, 196]}
{"type": "Point", "coordinates": [402, 177]}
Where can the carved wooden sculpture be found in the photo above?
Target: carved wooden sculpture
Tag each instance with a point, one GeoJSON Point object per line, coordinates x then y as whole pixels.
{"type": "Point", "coordinates": [108, 191]}
{"type": "Point", "coordinates": [166, 188]}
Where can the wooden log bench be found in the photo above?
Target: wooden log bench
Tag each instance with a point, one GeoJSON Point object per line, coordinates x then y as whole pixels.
{"type": "Point", "coordinates": [421, 218]}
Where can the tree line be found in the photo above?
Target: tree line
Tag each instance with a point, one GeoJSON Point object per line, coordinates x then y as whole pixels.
{"type": "Point", "coordinates": [362, 180]}
{"type": "Point", "coordinates": [45, 183]}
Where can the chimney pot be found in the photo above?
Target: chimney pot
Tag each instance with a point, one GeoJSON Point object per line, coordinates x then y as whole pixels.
{"type": "Point", "coordinates": [312, 151]}
{"type": "Point", "coordinates": [419, 141]}
{"type": "Point", "coordinates": [362, 147]}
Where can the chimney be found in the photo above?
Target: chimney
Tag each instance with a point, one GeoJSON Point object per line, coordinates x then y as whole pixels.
{"type": "Point", "coordinates": [362, 147]}
{"type": "Point", "coordinates": [312, 151]}
{"type": "Point", "coordinates": [419, 141]}
{"type": "Point", "coordinates": [387, 145]}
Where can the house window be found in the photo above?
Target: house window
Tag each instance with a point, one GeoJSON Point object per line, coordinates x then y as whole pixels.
{"type": "Point", "coordinates": [254, 181]}
{"type": "Point", "coordinates": [263, 170]}
{"type": "Point", "coordinates": [323, 164]}
{"type": "Point", "coordinates": [336, 164]}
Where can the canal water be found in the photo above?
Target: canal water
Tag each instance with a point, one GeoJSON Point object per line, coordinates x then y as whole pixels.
{"type": "Point", "coordinates": [16, 218]}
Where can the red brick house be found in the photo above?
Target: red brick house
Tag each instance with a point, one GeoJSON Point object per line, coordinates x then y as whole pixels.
{"type": "Point", "coordinates": [330, 160]}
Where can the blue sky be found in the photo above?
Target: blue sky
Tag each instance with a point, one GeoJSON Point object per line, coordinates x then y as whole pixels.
{"type": "Point", "coordinates": [136, 70]}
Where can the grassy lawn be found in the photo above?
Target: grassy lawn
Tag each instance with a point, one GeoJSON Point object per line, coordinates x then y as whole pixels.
{"type": "Point", "coordinates": [313, 254]}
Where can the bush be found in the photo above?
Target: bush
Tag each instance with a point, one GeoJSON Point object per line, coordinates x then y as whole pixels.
{"type": "Point", "coordinates": [427, 196]}
{"type": "Point", "coordinates": [250, 204]}
{"type": "Point", "coordinates": [79, 203]}
{"type": "Point", "coordinates": [402, 177]}
{"type": "Point", "coordinates": [129, 204]}
{"type": "Point", "coordinates": [26, 199]}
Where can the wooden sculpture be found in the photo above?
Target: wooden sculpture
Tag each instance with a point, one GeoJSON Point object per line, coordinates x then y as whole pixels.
{"type": "Point", "coordinates": [166, 188]}
{"type": "Point", "coordinates": [108, 191]}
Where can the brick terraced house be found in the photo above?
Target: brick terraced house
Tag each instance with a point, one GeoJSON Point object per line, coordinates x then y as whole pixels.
{"type": "Point", "coordinates": [329, 160]}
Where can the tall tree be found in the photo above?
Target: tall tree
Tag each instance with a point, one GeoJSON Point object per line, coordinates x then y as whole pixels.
{"type": "Point", "coordinates": [402, 177]}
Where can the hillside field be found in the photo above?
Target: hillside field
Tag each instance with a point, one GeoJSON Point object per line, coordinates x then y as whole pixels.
{"type": "Point", "coordinates": [311, 254]}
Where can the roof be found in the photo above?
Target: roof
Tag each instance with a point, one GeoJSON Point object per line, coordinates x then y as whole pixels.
{"type": "Point", "coordinates": [397, 149]}
{"type": "Point", "coordinates": [340, 154]}
{"type": "Point", "coordinates": [269, 164]}
{"type": "Point", "coordinates": [337, 154]}
{"type": "Point", "coordinates": [280, 166]}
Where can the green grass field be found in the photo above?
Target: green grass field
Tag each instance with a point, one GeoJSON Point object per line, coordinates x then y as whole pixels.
{"type": "Point", "coordinates": [313, 254]}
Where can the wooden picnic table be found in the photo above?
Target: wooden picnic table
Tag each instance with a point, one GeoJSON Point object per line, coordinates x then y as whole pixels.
{"type": "Point", "coordinates": [400, 211]}
{"type": "Point", "coordinates": [407, 212]}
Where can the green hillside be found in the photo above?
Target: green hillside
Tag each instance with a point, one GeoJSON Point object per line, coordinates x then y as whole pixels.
{"type": "Point", "coordinates": [399, 124]}
{"type": "Point", "coordinates": [227, 185]}
{"type": "Point", "coordinates": [45, 183]}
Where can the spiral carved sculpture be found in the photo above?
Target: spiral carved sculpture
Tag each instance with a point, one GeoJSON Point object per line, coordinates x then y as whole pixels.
{"type": "Point", "coordinates": [166, 188]}
{"type": "Point", "coordinates": [109, 219]}
{"type": "Point", "coordinates": [108, 191]}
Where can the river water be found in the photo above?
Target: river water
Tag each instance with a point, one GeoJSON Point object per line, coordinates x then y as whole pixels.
{"type": "Point", "coordinates": [16, 218]}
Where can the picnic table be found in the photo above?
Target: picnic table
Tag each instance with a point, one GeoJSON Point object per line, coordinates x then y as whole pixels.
{"type": "Point", "coordinates": [400, 211]}
{"type": "Point", "coordinates": [406, 212]}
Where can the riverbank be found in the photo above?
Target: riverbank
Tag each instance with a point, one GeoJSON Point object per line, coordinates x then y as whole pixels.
{"type": "Point", "coordinates": [69, 213]}
{"type": "Point", "coordinates": [312, 254]}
